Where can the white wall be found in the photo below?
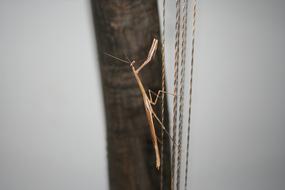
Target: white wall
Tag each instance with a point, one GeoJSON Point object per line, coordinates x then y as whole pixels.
{"type": "Point", "coordinates": [238, 118]}
{"type": "Point", "coordinates": [52, 130]}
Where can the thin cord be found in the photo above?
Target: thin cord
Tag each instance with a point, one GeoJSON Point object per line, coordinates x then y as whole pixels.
{"type": "Point", "coordinates": [163, 89]}
{"type": "Point", "coordinates": [176, 69]}
{"type": "Point", "coordinates": [190, 93]}
{"type": "Point", "coordinates": [182, 84]}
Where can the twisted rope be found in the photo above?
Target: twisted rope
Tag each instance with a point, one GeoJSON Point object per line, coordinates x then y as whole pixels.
{"type": "Point", "coordinates": [176, 69]}
{"type": "Point", "coordinates": [163, 89]}
{"type": "Point", "coordinates": [182, 84]}
{"type": "Point", "coordinates": [190, 92]}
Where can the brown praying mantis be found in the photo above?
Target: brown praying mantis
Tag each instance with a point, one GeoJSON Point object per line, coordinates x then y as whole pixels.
{"type": "Point", "coordinates": [147, 100]}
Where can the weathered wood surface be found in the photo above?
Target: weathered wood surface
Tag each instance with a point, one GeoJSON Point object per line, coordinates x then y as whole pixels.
{"type": "Point", "coordinates": [126, 28]}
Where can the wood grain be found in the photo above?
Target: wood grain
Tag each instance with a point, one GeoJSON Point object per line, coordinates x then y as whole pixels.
{"type": "Point", "coordinates": [126, 28]}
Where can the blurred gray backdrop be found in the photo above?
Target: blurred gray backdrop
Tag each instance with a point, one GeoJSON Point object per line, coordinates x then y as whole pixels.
{"type": "Point", "coordinates": [52, 127]}
{"type": "Point", "coordinates": [52, 132]}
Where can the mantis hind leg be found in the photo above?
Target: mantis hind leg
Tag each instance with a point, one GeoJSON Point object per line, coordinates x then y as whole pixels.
{"type": "Point", "coordinates": [163, 127]}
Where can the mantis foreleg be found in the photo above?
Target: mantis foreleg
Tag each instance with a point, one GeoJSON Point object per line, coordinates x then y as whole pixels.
{"type": "Point", "coordinates": [150, 92]}
{"type": "Point", "coordinates": [162, 126]}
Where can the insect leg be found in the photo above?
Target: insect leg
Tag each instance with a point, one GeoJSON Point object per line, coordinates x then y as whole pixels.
{"type": "Point", "coordinates": [163, 127]}
{"type": "Point", "coordinates": [157, 95]}
{"type": "Point", "coordinates": [150, 54]}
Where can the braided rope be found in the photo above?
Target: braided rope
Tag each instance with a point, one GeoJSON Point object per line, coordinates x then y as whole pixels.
{"type": "Point", "coordinates": [182, 84]}
{"type": "Point", "coordinates": [190, 92]}
{"type": "Point", "coordinates": [176, 69]}
{"type": "Point", "coordinates": [163, 89]}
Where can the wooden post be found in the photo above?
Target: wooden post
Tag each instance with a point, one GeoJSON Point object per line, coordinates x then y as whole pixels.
{"type": "Point", "coordinates": [125, 29]}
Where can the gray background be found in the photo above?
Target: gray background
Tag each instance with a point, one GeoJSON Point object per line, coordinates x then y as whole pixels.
{"type": "Point", "coordinates": [52, 127]}
{"type": "Point", "coordinates": [51, 113]}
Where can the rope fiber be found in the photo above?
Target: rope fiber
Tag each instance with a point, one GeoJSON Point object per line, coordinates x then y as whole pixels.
{"type": "Point", "coordinates": [181, 93]}
{"type": "Point", "coordinates": [176, 69]}
{"type": "Point", "coordinates": [163, 89]}
{"type": "Point", "coordinates": [190, 91]}
{"type": "Point", "coordinates": [179, 84]}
